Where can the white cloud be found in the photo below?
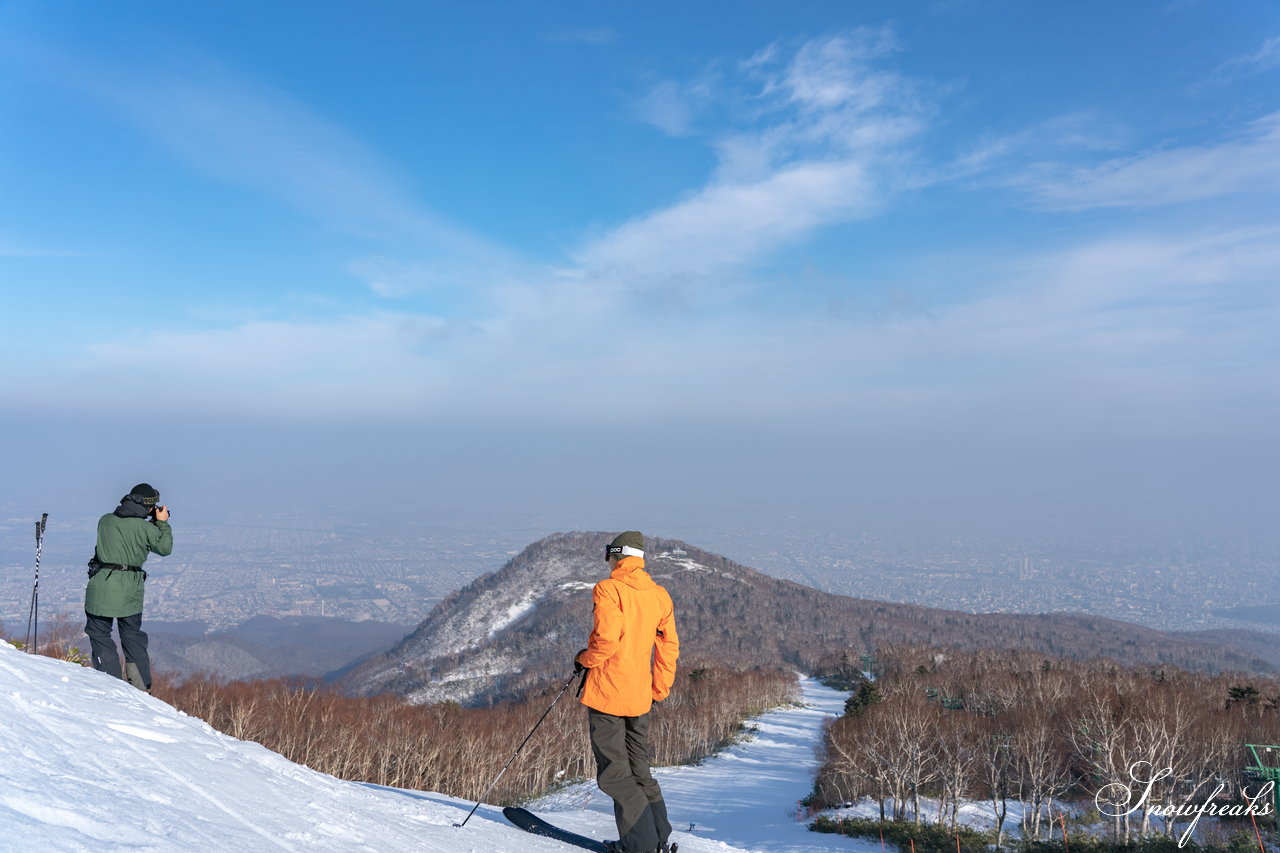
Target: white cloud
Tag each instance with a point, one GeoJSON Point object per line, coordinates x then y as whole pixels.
{"type": "Point", "coordinates": [991, 158]}
{"type": "Point", "coordinates": [730, 225]}
{"type": "Point", "coordinates": [1263, 59]}
{"type": "Point", "coordinates": [239, 131]}
{"type": "Point", "coordinates": [1249, 163]}
{"type": "Point", "coordinates": [836, 72]}
{"type": "Point", "coordinates": [268, 141]}
{"type": "Point", "coordinates": [669, 107]}
{"type": "Point", "coordinates": [812, 130]}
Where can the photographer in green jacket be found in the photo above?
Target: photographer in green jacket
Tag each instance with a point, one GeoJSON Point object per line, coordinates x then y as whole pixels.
{"type": "Point", "coordinates": [138, 527]}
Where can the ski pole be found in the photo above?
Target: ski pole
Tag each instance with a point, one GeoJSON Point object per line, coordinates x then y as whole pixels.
{"type": "Point", "coordinates": [33, 615]}
{"type": "Point", "coordinates": [518, 748]}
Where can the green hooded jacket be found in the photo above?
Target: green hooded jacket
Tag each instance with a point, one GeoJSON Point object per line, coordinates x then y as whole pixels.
{"type": "Point", "coordinates": [125, 537]}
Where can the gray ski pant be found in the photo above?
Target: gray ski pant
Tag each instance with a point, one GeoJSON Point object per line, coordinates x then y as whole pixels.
{"type": "Point", "coordinates": [132, 638]}
{"type": "Point", "coordinates": [621, 748]}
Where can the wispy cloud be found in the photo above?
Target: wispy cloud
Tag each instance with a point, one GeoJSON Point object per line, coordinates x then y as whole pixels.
{"type": "Point", "coordinates": [1248, 163]}
{"type": "Point", "coordinates": [1265, 58]}
{"type": "Point", "coordinates": [672, 107]}
{"type": "Point", "coordinates": [990, 158]}
{"type": "Point", "coordinates": [834, 72]}
{"type": "Point", "coordinates": [270, 142]}
{"type": "Point", "coordinates": [237, 130]}
{"type": "Point", "coordinates": [810, 130]}
{"type": "Point", "coordinates": [732, 224]}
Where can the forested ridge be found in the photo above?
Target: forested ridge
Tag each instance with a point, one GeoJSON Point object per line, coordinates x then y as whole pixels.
{"type": "Point", "coordinates": [731, 613]}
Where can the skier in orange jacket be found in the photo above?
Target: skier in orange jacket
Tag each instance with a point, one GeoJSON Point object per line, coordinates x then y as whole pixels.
{"type": "Point", "coordinates": [633, 624]}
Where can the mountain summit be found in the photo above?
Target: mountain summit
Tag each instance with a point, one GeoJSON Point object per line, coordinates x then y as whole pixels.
{"type": "Point", "coordinates": [511, 629]}
{"type": "Point", "coordinates": [519, 627]}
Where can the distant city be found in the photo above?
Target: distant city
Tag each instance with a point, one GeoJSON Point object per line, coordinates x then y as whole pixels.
{"type": "Point", "coordinates": [226, 573]}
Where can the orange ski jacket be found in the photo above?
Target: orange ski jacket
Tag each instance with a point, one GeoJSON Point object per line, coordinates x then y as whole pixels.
{"type": "Point", "coordinates": [633, 623]}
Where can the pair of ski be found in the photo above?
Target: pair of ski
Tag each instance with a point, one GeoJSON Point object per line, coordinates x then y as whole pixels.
{"type": "Point", "coordinates": [530, 822]}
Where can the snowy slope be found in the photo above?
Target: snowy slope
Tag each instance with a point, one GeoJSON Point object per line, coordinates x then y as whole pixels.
{"type": "Point", "coordinates": [87, 763]}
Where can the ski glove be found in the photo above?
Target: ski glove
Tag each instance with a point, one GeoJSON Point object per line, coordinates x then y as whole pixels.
{"type": "Point", "coordinates": [577, 667]}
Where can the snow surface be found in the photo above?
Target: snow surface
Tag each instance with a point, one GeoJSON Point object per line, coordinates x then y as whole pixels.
{"type": "Point", "coordinates": [514, 612]}
{"type": "Point", "coordinates": [683, 562]}
{"type": "Point", "coordinates": [747, 795]}
{"type": "Point", "coordinates": [976, 814]}
{"type": "Point", "coordinates": [498, 606]}
{"type": "Point", "coordinates": [88, 763]}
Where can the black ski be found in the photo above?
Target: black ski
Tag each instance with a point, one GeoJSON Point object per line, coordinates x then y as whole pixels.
{"type": "Point", "coordinates": [530, 822]}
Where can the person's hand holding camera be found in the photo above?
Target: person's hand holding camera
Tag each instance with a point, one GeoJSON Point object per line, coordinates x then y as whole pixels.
{"type": "Point", "coordinates": [162, 513]}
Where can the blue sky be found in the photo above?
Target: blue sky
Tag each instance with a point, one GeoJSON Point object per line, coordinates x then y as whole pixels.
{"type": "Point", "coordinates": [909, 261]}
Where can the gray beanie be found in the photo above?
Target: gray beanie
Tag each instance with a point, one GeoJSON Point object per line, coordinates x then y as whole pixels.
{"type": "Point", "coordinates": [629, 544]}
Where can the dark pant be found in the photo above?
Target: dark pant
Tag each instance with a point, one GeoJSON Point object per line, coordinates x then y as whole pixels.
{"type": "Point", "coordinates": [106, 658]}
{"type": "Point", "coordinates": [621, 748]}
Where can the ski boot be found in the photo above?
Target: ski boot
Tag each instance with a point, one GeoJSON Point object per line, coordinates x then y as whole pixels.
{"type": "Point", "coordinates": [616, 847]}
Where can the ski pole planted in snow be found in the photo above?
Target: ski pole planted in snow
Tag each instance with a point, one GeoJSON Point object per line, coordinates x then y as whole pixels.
{"type": "Point", "coordinates": [520, 747]}
{"type": "Point", "coordinates": [33, 615]}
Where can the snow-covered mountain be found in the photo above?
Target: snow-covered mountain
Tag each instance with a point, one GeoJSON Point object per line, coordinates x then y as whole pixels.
{"type": "Point", "coordinates": [505, 630]}
{"type": "Point", "coordinates": [519, 627]}
{"type": "Point", "coordinates": [87, 763]}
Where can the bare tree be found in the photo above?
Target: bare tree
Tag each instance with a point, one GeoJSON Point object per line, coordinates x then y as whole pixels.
{"type": "Point", "coordinates": [957, 761]}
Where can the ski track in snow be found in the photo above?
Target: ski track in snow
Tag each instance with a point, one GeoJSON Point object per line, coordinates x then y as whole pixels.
{"type": "Point", "coordinates": [746, 796]}
{"type": "Point", "coordinates": [88, 764]}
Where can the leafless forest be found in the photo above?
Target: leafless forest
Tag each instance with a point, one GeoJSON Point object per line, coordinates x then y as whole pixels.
{"type": "Point", "coordinates": [458, 751]}
{"type": "Point", "coordinates": [1016, 727]}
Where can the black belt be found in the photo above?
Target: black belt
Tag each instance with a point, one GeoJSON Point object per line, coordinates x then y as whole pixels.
{"type": "Point", "coordinates": [95, 566]}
